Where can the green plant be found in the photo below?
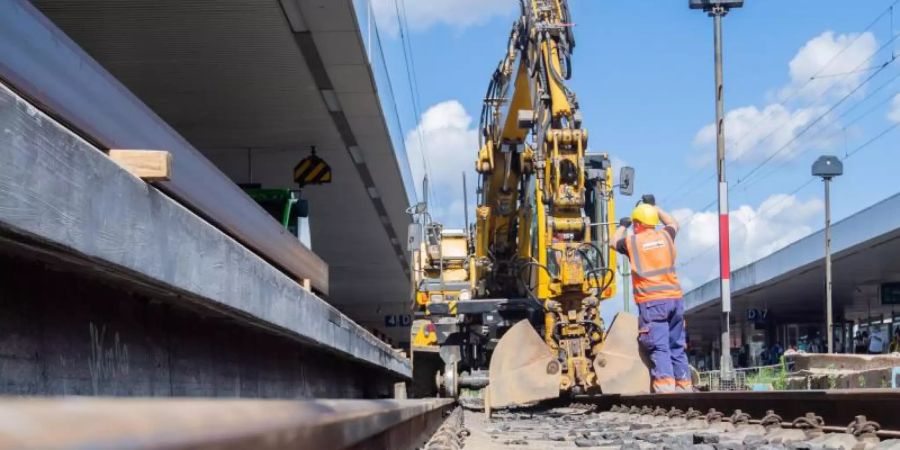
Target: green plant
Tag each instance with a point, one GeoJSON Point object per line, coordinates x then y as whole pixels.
{"type": "Point", "coordinates": [861, 380]}
{"type": "Point", "coordinates": [781, 382]}
{"type": "Point", "coordinates": [774, 376]}
{"type": "Point", "coordinates": [764, 375]}
{"type": "Point", "coordinates": [832, 378]}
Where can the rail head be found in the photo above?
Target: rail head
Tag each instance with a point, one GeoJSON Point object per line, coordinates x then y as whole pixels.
{"type": "Point", "coordinates": [144, 423]}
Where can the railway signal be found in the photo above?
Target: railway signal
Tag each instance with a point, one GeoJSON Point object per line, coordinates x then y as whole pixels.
{"type": "Point", "coordinates": [718, 9]}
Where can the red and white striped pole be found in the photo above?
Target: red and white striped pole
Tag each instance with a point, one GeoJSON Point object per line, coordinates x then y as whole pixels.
{"type": "Point", "coordinates": [726, 366]}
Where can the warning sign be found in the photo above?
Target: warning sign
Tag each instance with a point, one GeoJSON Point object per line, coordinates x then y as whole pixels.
{"type": "Point", "coordinates": [312, 170]}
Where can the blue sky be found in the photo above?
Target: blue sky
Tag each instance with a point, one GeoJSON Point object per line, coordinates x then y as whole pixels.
{"type": "Point", "coordinates": [643, 74]}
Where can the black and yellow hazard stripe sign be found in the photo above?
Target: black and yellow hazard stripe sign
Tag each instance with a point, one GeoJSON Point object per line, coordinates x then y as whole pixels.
{"type": "Point", "coordinates": [312, 170]}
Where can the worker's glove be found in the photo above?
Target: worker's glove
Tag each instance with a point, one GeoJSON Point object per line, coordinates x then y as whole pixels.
{"type": "Point", "coordinates": [649, 199]}
{"type": "Point", "coordinates": [625, 222]}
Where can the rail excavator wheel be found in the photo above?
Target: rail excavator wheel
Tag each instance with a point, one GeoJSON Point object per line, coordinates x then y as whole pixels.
{"type": "Point", "coordinates": [523, 369]}
{"type": "Point", "coordinates": [448, 381]}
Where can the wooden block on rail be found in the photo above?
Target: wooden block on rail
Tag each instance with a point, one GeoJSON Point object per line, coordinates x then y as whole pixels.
{"type": "Point", "coordinates": [148, 165]}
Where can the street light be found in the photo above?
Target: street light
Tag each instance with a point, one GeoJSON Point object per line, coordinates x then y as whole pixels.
{"type": "Point", "coordinates": [708, 5]}
{"type": "Point", "coordinates": [717, 9]}
{"type": "Point", "coordinates": [828, 167]}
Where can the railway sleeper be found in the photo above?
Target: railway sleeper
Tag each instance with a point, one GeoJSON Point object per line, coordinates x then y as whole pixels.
{"type": "Point", "coordinates": [632, 427]}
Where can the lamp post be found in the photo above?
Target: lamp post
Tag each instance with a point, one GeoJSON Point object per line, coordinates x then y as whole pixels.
{"type": "Point", "coordinates": [828, 167]}
{"type": "Point", "coordinates": [718, 9]}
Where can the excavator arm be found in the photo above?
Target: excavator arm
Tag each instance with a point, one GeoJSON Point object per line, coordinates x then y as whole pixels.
{"type": "Point", "coordinates": [520, 311]}
{"type": "Point", "coordinates": [543, 221]}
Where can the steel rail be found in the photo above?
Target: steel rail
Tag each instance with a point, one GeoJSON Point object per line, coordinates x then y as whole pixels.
{"type": "Point", "coordinates": [838, 407]}
{"type": "Point", "coordinates": [125, 423]}
{"type": "Point", "coordinates": [43, 65]}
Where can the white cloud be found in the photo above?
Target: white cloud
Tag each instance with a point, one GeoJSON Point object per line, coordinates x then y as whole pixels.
{"type": "Point", "coordinates": [839, 63]}
{"type": "Point", "coordinates": [423, 14]}
{"type": "Point", "coordinates": [450, 143]}
{"type": "Point", "coordinates": [847, 57]}
{"type": "Point", "coordinates": [755, 232]}
{"type": "Point", "coordinates": [894, 114]}
{"type": "Point", "coordinates": [752, 134]}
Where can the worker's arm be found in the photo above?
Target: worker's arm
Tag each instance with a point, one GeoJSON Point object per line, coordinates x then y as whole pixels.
{"type": "Point", "coordinates": [664, 217]}
{"type": "Point", "coordinates": [668, 220]}
{"type": "Point", "coordinates": [619, 236]}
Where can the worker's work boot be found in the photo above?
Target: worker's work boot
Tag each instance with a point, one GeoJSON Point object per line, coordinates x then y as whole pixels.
{"type": "Point", "coordinates": [664, 385]}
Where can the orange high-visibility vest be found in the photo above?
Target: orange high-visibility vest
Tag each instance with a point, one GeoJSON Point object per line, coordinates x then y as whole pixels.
{"type": "Point", "coordinates": [652, 255]}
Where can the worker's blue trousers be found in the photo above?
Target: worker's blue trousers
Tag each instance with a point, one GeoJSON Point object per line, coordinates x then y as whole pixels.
{"type": "Point", "coordinates": [661, 327]}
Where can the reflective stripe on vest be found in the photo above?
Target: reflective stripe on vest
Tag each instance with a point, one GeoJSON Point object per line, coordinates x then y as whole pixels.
{"type": "Point", "coordinates": [654, 273]}
{"type": "Point", "coordinates": [652, 255]}
{"type": "Point", "coordinates": [656, 288]}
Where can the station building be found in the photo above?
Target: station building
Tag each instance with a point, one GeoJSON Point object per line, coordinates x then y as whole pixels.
{"type": "Point", "coordinates": [780, 299]}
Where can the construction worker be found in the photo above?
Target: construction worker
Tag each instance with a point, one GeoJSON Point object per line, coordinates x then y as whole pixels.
{"type": "Point", "coordinates": [657, 292]}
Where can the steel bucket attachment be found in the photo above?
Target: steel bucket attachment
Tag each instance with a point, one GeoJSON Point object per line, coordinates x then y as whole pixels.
{"type": "Point", "coordinates": [621, 367]}
{"type": "Point", "coordinates": [523, 369]}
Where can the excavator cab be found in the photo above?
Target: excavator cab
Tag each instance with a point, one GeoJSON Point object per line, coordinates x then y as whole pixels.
{"type": "Point", "coordinates": [453, 335]}
{"type": "Point", "coordinates": [440, 280]}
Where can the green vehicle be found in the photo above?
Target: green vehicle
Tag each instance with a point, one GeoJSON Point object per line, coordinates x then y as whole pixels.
{"type": "Point", "coordinates": [284, 205]}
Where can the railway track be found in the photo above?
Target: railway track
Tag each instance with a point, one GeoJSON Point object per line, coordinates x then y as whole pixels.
{"type": "Point", "coordinates": [847, 419]}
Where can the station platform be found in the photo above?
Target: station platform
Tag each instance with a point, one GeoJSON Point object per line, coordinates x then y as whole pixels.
{"type": "Point", "coordinates": [111, 287]}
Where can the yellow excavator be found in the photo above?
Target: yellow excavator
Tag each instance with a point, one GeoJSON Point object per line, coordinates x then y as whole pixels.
{"type": "Point", "coordinates": [508, 309]}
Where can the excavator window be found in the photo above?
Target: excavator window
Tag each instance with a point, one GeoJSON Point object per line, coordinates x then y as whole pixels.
{"type": "Point", "coordinates": [568, 172]}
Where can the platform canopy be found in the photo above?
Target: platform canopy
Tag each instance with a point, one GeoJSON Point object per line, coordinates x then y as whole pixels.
{"type": "Point", "coordinates": [790, 283]}
{"type": "Point", "coordinates": [253, 85]}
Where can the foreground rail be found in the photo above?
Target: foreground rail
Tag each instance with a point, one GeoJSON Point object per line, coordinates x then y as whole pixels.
{"type": "Point", "coordinates": [107, 423]}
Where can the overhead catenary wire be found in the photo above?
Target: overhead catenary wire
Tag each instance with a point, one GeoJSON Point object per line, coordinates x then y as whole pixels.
{"type": "Point", "coordinates": [412, 82]}
{"type": "Point", "coordinates": [809, 126]}
{"type": "Point", "coordinates": [847, 154]}
{"type": "Point", "coordinates": [818, 74]}
{"type": "Point", "coordinates": [407, 38]}
{"type": "Point", "coordinates": [759, 213]}
{"type": "Point", "coordinates": [875, 107]}
{"type": "Point", "coordinates": [391, 92]}
{"type": "Point", "coordinates": [790, 195]}
{"type": "Point", "coordinates": [869, 95]}
{"type": "Point", "coordinates": [747, 176]}
{"type": "Point", "coordinates": [849, 72]}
